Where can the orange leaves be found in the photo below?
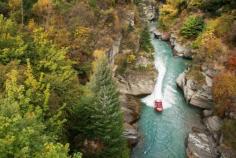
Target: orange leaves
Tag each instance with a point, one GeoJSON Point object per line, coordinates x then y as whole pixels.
{"type": "Point", "coordinates": [224, 87]}
{"type": "Point", "coordinates": [231, 63]}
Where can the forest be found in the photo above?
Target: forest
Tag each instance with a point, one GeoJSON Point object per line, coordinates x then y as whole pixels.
{"type": "Point", "coordinates": [50, 72]}
{"type": "Point", "coordinates": [58, 95]}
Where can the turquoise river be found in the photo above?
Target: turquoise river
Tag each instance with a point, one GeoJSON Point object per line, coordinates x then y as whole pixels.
{"type": "Point", "coordinates": [163, 134]}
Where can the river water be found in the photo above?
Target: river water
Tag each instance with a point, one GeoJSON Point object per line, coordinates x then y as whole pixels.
{"type": "Point", "coordinates": [163, 134]}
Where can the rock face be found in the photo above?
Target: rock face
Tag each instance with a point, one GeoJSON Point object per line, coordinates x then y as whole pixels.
{"type": "Point", "coordinates": [131, 134]}
{"type": "Point", "coordinates": [202, 98]}
{"type": "Point", "coordinates": [130, 87]}
{"type": "Point", "coordinates": [213, 123]}
{"type": "Point", "coordinates": [130, 107]}
{"type": "Point", "coordinates": [199, 97]}
{"type": "Point", "coordinates": [137, 83]}
{"type": "Point", "coordinates": [200, 145]}
{"type": "Point", "coordinates": [207, 113]}
{"type": "Point", "coordinates": [181, 50]}
{"type": "Point", "coordinates": [115, 49]}
{"type": "Point", "coordinates": [149, 11]}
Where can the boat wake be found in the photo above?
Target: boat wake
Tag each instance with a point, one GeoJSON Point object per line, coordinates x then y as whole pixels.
{"type": "Point", "coordinates": [157, 93]}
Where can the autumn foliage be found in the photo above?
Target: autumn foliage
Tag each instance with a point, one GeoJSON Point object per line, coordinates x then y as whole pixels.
{"type": "Point", "coordinates": [224, 88]}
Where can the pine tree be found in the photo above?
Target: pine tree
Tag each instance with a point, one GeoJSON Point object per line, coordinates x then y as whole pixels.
{"type": "Point", "coordinates": [107, 117]}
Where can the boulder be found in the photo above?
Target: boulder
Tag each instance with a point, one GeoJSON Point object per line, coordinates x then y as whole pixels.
{"type": "Point", "coordinates": [199, 97]}
{"type": "Point", "coordinates": [172, 40]}
{"type": "Point", "coordinates": [181, 50]}
{"type": "Point", "coordinates": [213, 123]}
{"type": "Point", "coordinates": [210, 72]}
{"type": "Point", "coordinates": [199, 100]}
{"type": "Point", "coordinates": [199, 145]}
{"type": "Point", "coordinates": [181, 81]}
{"type": "Point", "coordinates": [157, 34]}
{"type": "Point", "coordinates": [188, 86]}
{"type": "Point", "coordinates": [202, 98]}
{"type": "Point", "coordinates": [209, 81]}
{"type": "Point", "coordinates": [131, 134]}
{"type": "Point", "coordinates": [207, 113]}
{"type": "Point", "coordinates": [189, 89]}
{"type": "Point", "coordinates": [137, 83]}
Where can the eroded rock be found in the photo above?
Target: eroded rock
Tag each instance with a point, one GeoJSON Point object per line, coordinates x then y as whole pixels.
{"type": "Point", "coordinates": [213, 123]}
{"type": "Point", "coordinates": [137, 83]}
{"type": "Point", "coordinates": [199, 96]}
{"type": "Point", "coordinates": [181, 50]}
{"type": "Point", "coordinates": [131, 134]}
{"type": "Point", "coordinates": [200, 145]}
{"type": "Point", "coordinates": [207, 113]}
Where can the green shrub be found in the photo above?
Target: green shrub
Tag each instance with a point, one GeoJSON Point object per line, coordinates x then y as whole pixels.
{"type": "Point", "coordinates": [121, 62]}
{"type": "Point", "coordinates": [93, 3]}
{"type": "Point", "coordinates": [212, 5]}
{"type": "Point", "coordinates": [229, 129]}
{"type": "Point", "coordinates": [145, 41]}
{"type": "Point", "coordinates": [192, 27]}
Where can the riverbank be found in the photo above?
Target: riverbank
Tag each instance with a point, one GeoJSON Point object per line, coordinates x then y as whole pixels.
{"type": "Point", "coordinates": [133, 86]}
{"type": "Point", "coordinates": [163, 134]}
{"type": "Point", "coordinates": [204, 142]}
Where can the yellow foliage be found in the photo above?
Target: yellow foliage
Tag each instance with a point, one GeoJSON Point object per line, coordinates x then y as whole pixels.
{"type": "Point", "coordinates": [43, 6]}
{"type": "Point", "coordinates": [14, 4]}
{"type": "Point", "coordinates": [195, 3]}
{"type": "Point", "coordinates": [31, 81]}
{"type": "Point", "coordinates": [32, 25]}
{"type": "Point", "coordinates": [131, 58]}
{"type": "Point", "coordinates": [44, 3]}
{"type": "Point", "coordinates": [169, 10]}
{"type": "Point", "coordinates": [98, 54]}
{"type": "Point", "coordinates": [82, 32]}
{"type": "Point", "coordinates": [208, 42]}
{"type": "Point", "coordinates": [167, 15]}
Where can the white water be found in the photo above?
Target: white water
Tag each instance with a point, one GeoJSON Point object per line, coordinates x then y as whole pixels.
{"type": "Point", "coordinates": [157, 93]}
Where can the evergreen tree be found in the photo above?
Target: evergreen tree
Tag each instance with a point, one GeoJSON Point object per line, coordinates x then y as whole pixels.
{"type": "Point", "coordinates": [106, 114]}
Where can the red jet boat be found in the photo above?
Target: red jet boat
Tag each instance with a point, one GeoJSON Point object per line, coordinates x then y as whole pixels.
{"type": "Point", "coordinates": [158, 105]}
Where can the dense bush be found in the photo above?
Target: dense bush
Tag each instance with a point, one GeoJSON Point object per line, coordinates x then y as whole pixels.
{"type": "Point", "coordinates": [192, 27]}
{"type": "Point", "coordinates": [212, 5]}
{"type": "Point", "coordinates": [224, 87]}
{"type": "Point", "coordinates": [229, 133]}
{"type": "Point", "coordinates": [145, 41]}
{"type": "Point", "coordinates": [168, 13]}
